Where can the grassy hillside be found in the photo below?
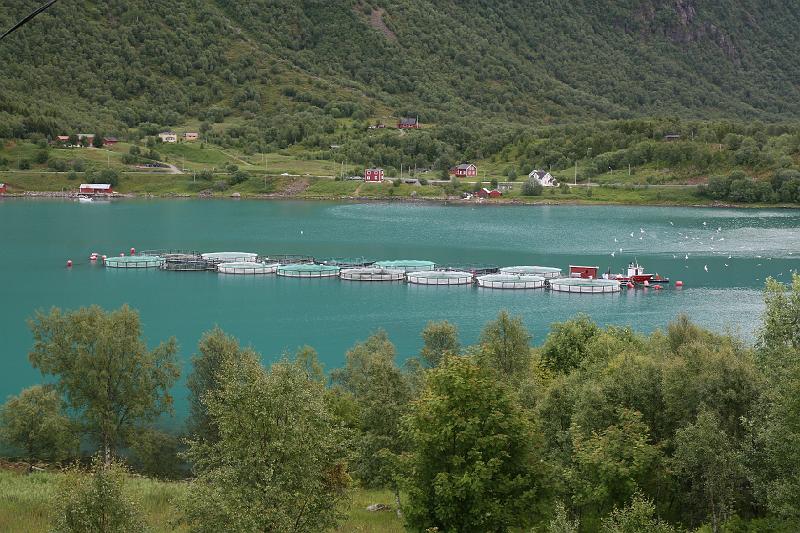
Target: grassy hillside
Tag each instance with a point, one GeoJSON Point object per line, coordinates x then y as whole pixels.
{"type": "Point", "coordinates": [262, 63]}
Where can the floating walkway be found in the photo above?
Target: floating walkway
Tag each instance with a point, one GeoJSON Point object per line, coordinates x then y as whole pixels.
{"type": "Point", "coordinates": [229, 257]}
{"type": "Point", "coordinates": [511, 281]}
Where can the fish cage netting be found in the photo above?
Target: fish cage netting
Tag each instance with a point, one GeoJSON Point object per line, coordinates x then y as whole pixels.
{"type": "Point", "coordinates": [545, 272]}
{"type": "Point", "coordinates": [187, 264]}
{"type": "Point", "coordinates": [585, 286]}
{"type": "Point", "coordinates": [439, 277]}
{"type": "Point", "coordinates": [134, 261]}
{"type": "Point", "coordinates": [229, 257]}
{"type": "Point", "coordinates": [346, 262]}
{"type": "Point", "coordinates": [169, 253]}
{"type": "Point", "coordinates": [406, 265]}
{"type": "Point", "coordinates": [511, 281]}
{"type": "Point", "coordinates": [287, 259]}
{"type": "Point", "coordinates": [308, 270]}
{"type": "Point", "coordinates": [247, 267]}
{"type": "Point", "coordinates": [372, 274]}
{"type": "Point", "coordinates": [474, 269]}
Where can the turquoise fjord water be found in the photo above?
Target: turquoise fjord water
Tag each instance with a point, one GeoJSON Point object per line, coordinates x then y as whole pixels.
{"type": "Point", "coordinates": [740, 248]}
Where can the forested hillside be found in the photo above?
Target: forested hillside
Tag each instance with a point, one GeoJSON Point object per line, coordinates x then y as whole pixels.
{"type": "Point", "coordinates": [264, 65]}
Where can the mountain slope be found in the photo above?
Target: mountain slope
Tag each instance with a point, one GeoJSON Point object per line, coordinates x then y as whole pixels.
{"type": "Point", "coordinates": [118, 64]}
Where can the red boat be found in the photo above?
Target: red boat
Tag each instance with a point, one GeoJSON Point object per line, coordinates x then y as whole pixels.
{"type": "Point", "coordinates": [637, 275]}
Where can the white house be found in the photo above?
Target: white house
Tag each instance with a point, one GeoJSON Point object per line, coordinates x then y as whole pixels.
{"type": "Point", "coordinates": [544, 177]}
{"type": "Point", "coordinates": [168, 137]}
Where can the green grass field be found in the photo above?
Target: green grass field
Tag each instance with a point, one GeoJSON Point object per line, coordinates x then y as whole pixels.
{"type": "Point", "coordinates": [25, 505]}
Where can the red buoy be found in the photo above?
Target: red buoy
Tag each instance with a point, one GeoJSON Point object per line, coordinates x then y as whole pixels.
{"type": "Point", "coordinates": [133, 251]}
{"type": "Point", "coordinates": [679, 283]}
{"type": "Point", "coordinates": [629, 285]}
{"type": "Point", "coordinates": [657, 287]}
{"type": "Point", "coordinates": [69, 263]}
{"type": "Point", "coordinates": [104, 259]}
{"type": "Point", "coordinates": [646, 283]}
{"type": "Point", "coordinates": [122, 254]}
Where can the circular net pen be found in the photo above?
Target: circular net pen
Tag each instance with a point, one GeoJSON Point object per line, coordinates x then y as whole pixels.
{"type": "Point", "coordinates": [308, 270]}
{"type": "Point", "coordinates": [187, 264]}
{"type": "Point", "coordinates": [545, 272]}
{"type": "Point", "coordinates": [229, 257]}
{"type": "Point", "coordinates": [346, 262]}
{"type": "Point", "coordinates": [510, 281]}
{"type": "Point", "coordinates": [406, 265]}
{"type": "Point", "coordinates": [134, 261]}
{"type": "Point", "coordinates": [440, 277]}
{"type": "Point", "coordinates": [584, 286]}
{"type": "Point", "coordinates": [474, 269]}
{"type": "Point", "coordinates": [372, 274]}
{"type": "Point", "coordinates": [247, 268]}
{"type": "Point", "coordinates": [170, 253]}
{"type": "Point", "coordinates": [288, 259]}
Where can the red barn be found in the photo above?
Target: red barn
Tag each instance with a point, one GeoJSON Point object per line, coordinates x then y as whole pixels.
{"type": "Point", "coordinates": [96, 188]}
{"type": "Point", "coordinates": [373, 174]}
{"type": "Point", "coordinates": [586, 272]}
{"type": "Point", "coordinates": [3, 188]}
{"type": "Point", "coordinates": [464, 170]}
{"type": "Point", "coordinates": [408, 124]}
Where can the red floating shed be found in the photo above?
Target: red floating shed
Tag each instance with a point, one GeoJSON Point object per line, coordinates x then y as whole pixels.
{"type": "Point", "coordinates": [586, 272]}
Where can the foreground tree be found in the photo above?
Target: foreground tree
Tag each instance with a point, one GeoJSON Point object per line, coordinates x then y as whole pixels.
{"type": "Point", "coordinates": [104, 370]}
{"type": "Point", "coordinates": [472, 465]}
{"type": "Point", "coordinates": [440, 340]}
{"type": "Point", "coordinates": [35, 423]}
{"type": "Point", "coordinates": [278, 464]}
{"type": "Point", "coordinates": [638, 517]}
{"type": "Point", "coordinates": [97, 502]}
{"type": "Point", "coordinates": [214, 350]}
{"type": "Point", "coordinates": [505, 347]}
{"type": "Point", "coordinates": [381, 394]}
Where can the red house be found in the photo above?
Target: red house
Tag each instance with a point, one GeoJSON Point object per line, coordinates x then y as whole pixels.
{"type": "Point", "coordinates": [96, 188]}
{"type": "Point", "coordinates": [408, 123]}
{"type": "Point", "coordinates": [373, 174]}
{"type": "Point", "coordinates": [464, 170]}
{"type": "Point", "coordinates": [586, 272]}
{"type": "Point", "coordinates": [109, 141]}
{"type": "Point", "coordinates": [486, 193]}
{"type": "Point", "coordinates": [3, 188]}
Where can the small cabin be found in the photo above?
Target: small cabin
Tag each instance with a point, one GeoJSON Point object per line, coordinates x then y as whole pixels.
{"type": "Point", "coordinates": [3, 188]}
{"type": "Point", "coordinates": [671, 137]}
{"type": "Point", "coordinates": [110, 141]}
{"type": "Point", "coordinates": [488, 193]}
{"type": "Point", "coordinates": [191, 136]}
{"type": "Point", "coordinates": [585, 272]}
{"type": "Point", "coordinates": [373, 174]}
{"type": "Point", "coordinates": [168, 137]}
{"type": "Point", "coordinates": [464, 170]}
{"type": "Point", "coordinates": [544, 178]}
{"type": "Point", "coordinates": [96, 188]}
{"type": "Point", "coordinates": [408, 123]}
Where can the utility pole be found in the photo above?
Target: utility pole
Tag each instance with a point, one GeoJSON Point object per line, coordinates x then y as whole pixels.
{"type": "Point", "coordinates": [265, 171]}
{"type": "Point", "coordinates": [576, 172]}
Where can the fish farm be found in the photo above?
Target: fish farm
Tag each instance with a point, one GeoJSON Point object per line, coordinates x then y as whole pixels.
{"type": "Point", "coordinates": [580, 280]}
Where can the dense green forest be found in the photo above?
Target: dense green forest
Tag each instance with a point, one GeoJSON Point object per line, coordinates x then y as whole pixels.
{"type": "Point", "coordinates": [596, 429]}
{"type": "Point", "coordinates": [116, 65]}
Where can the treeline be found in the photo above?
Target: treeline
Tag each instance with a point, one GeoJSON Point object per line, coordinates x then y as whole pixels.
{"type": "Point", "coordinates": [596, 429]}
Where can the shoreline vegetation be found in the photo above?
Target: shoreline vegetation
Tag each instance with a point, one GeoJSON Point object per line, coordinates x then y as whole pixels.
{"type": "Point", "coordinates": [595, 429]}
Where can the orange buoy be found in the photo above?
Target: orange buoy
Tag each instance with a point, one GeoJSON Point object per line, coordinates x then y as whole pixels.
{"type": "Point", "coordinates": [679, 283]}
{"type": "Point", "coordinates": [69, 263]}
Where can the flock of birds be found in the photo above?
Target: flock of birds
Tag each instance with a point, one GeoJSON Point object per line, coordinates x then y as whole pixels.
{"type": "Point", "coordinates": [708, 242]}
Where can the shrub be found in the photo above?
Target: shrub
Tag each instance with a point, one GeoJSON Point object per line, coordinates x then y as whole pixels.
{"type": "Point", "coordinates": [532, 187]}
